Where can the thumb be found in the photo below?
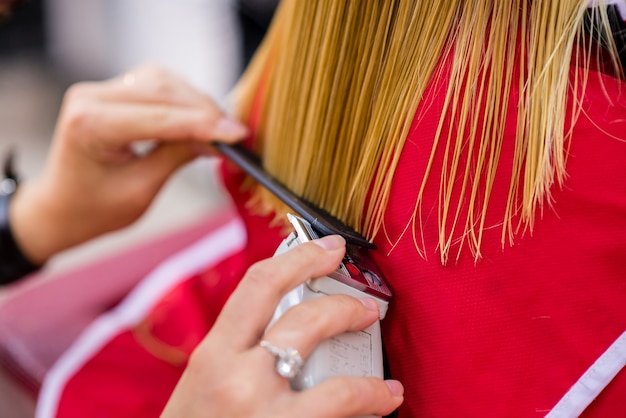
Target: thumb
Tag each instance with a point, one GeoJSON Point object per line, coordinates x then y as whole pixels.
{"type": "Point", "coordinates": [164, 160]}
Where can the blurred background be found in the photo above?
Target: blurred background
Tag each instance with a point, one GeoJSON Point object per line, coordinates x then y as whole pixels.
{"type": "Point", "coordinates": [46, 45]}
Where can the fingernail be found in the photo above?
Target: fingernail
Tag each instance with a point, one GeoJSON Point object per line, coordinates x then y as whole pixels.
{"type": "Point", "coordinates": [370, 304]}
{"type": "Point", "coordinates": [395, 387]}
{"type": "Point", "coordinates": [229, 127]}
{"type": "Point", "coordinates": [330, 242]}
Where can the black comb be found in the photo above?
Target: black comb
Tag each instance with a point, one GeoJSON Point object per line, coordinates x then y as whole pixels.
{"type": "Point", "coordinates": [323, 222]}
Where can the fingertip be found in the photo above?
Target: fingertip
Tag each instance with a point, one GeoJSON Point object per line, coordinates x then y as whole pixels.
{"type": "Point", "coordinates": [395, 387]}
{"type": "Point", "coordinates": [397, 392]}
{"type": "Point", "coordinates": [370, 304]}
{"type": "Point", "coordinates": [355, 396]}
{"type": "Point", "coordinates": [229, 128]}
{"type": "Point", "coordinates": [330, 242]}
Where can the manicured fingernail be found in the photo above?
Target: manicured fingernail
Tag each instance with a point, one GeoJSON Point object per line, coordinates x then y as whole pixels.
{"type": "Point", "coordinates": [331, 242]}
{"type": "Point", "coordinates": [395, 387]}
{"type": "Point", "coordinates": [370, 304]}
{"type": "Point", "coordinates": [229, 127]}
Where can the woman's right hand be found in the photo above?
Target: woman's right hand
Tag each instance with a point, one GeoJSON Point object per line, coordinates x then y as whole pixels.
{"type": "Point", "coordinates": [231, 375]}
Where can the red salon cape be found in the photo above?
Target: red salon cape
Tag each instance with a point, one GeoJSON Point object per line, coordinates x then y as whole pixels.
{"type": "Point", "coordinates": [533, 329]}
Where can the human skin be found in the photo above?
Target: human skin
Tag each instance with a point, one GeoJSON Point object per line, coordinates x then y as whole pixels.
{"type": "Point", "coordinates": [230, 375]}
{"type": "Point", "coordinates": [93, 182]}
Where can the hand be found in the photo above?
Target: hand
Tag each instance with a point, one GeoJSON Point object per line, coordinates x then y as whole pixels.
{"type": "Point", "coordinates": [93, 183]}
{"type": "Point", "coordinates": [230, 375]}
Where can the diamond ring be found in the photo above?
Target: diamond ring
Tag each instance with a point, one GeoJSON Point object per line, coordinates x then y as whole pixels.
{"type": "Point", "coordinates": [288, 361]}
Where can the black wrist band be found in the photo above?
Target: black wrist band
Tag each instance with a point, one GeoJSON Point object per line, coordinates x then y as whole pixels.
{"type": "Point", "coordinates": [13, 264]}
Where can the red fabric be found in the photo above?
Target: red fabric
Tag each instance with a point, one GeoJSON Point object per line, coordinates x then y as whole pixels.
{"type": "Point", "coordinates": [508, 335]}
{"type": "Point", "coordinates": [128, 377]}
{"type": "Point", "coordinates": [504, 336]}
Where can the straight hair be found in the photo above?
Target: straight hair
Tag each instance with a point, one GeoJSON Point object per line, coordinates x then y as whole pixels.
{"type": "Point", "coordinates": [334, 88]}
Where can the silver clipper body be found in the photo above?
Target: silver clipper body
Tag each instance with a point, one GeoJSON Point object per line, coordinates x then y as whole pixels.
{"type": "Point", "coordinates": [352, 353]}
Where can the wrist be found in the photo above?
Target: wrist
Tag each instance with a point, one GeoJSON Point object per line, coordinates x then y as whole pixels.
{"type": "Point", "coordinates": [36, 229]}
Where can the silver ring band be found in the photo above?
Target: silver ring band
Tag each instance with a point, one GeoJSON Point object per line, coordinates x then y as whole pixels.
{"type": "Point", "coordinates": [288, 361]}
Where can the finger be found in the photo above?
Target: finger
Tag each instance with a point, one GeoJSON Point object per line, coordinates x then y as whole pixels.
{"type": "Point", "coordinates": [117, 125]}
{"type": "Point", "coordinates": [324, 317]}
{"type": "Point", "coordinates": [351, 396]}
{"type": "Point", "coordinates": [250, 307]}
{"type": "Point", "coordinates": [161, 162]}
{"type": "Point", "coordinates": [149, 84]}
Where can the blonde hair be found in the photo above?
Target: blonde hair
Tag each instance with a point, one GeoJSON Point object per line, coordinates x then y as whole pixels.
{"type": "Point", "coordinates": [338, 83]}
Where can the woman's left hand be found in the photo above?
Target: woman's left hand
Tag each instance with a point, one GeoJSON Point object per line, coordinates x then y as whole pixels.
{"type": "Point", "coordinates": [93, 182]}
